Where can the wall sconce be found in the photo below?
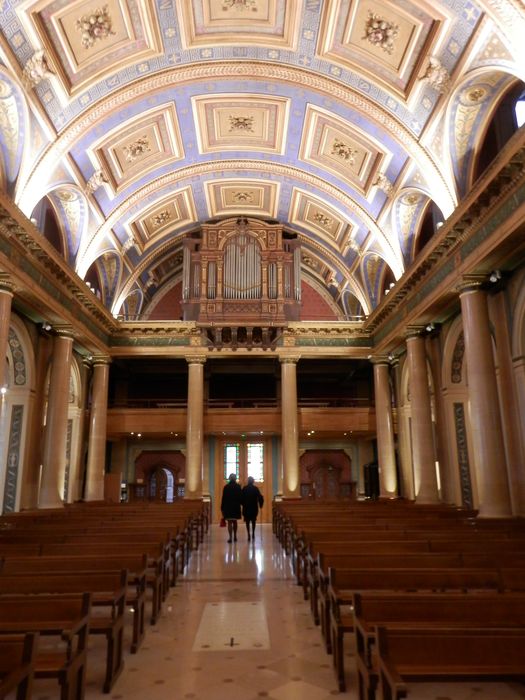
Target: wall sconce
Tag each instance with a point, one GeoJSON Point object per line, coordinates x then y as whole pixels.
{"type": "Point", "coordinates": [495, 276]}
{"type": "Point", "coordinates": [3, 390]}
{"type": "Point", "coordinates": [46, 326]}
{"type": "Point", "coordinates": [430, 327]}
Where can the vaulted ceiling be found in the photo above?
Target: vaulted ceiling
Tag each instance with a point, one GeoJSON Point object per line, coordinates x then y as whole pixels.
{"type": "Point", "coordinates": [134, 121]}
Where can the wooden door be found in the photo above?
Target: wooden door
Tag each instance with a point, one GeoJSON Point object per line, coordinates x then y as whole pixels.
{"type": "Point", "coordinates": [245, 457]}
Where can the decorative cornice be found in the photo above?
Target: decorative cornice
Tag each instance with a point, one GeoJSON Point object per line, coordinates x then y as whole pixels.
{"type": "Point", "coordinates": [446, 249]}
{"type": "Point", "coordinates": [49, 264]}
{"type": "Point", "coordinates": [289, 359]}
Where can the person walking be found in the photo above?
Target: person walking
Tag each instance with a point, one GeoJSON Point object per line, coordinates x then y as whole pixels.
{"type": "Point", "coordinates": [252, 500]}
{"type": "Point", "coordinates": [231, 505]}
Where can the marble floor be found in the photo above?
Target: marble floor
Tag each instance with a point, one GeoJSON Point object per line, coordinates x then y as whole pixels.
{"type": "Point", "coordinates": [237, 628]}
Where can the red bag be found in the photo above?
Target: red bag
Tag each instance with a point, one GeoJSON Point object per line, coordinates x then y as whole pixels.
{"type": "Point", "coordinates": [222, 523]}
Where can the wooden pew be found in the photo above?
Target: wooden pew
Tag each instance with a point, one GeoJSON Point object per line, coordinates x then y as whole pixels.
{"type": "Point", "coordinates": [372, 610]}
{"type": "Point", "coordinates": [17, 662]}
{"type": "Point", "coordinates": [63, 617]}
{"type": "Point", "coordinates": [411, 655]}
{"type": "Point", "coordinates": [344, 583]}
{"type": "Point", "coordinates": [156, 562]}
{"type": "Point", "coordinates": [135, 565]}
{"type": "Point", "coordinates": [108, 589]}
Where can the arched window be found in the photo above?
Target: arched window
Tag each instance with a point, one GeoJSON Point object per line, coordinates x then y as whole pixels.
{"type": "Point", "coordinates": [506, 120]}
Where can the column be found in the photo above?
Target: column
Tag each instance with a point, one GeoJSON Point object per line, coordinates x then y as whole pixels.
{"type": "Point", "coordinates": [31, 483]}
{"type": "Point", "coordinates": [510, 412]}
{"type": "Point", "coordinates": [55, 441]}
{"type": "Point", "coordinates": [406, 478]}
{"type": "Point", "coordinates": [290, 428]}
{"type": "Point", "coordinates": [423, 455]}
{"type": "Point", "coordinates": [485, 421]}
{"type": "Point", "coordinates": [385, 429]}
{"type": "Point", "coordinates": [96, 462]}
{"type": "Point", "coordinates": [194, 427]}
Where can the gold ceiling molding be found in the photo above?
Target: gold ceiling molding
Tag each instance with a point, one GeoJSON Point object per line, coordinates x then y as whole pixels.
{"type": "Point", "coordinates": [241, 121]}
{"type": "Point", "coordinates": [84, 39]}
{"type": "Point", "coordinates": [242, 196]}
{"type": "Point", "coordinates": [137, 146]}
{"type": "Point", "coordinates": [207, 72]}
{"type": "Point", "coordinates": [166, 215]}
{"type": "Point", "coordinates": [319, 218]}
{"type": "Point", "coordinates": [234, 23]}
{"type": "Point", "coordinates": [342, 148]}
{"type": "Point", "coordinates": [229, 165]}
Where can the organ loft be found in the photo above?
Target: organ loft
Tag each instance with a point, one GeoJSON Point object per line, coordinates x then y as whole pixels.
{"type": "Point", "coordinates": [242, 279]}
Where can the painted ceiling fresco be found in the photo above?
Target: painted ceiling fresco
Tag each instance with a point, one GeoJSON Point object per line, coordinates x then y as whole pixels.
{"type": "Point", "coordinates": [135, 121]}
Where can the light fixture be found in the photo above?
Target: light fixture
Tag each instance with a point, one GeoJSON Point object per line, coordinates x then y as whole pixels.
{"type": "Point", "coordinates": [430, 327]}
{"type": "Point", "coordinates": [3, 390]}
{"type": "Point", "coordinates": [46, 326]}
{"type": "Point", "coordinates": [495, 276]}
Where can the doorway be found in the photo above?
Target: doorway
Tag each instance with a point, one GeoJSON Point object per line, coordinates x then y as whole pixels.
{"type": "Point", "coordinates": [245, 457]}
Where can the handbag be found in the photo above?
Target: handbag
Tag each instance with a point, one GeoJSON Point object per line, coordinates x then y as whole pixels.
{"type": "Point", "coordinates": [222, 523]}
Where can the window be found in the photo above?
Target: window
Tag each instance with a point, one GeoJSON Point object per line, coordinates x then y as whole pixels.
{"type": "Point", "coordinates": [519, 110]}
{"type": "Point", "coordinates": [231, 459]}
{"type": "Point", "coordinates": [255, 460]}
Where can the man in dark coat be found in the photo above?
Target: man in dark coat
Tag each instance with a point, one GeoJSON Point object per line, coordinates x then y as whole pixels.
{"type": "Point", "coordinates": [252, 500]}
{"type": "Point", "coordinates": [231, 505]}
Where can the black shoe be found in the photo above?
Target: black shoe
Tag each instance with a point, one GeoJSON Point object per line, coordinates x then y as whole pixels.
{"type": "Point", "coordinates": [229, 540]}
{"type": "Point", "coordinates": [234, 539]}
{"type": "Point", "coordinates": [249, 538]}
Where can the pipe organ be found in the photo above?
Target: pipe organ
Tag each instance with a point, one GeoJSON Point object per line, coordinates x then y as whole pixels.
{"type": "Point", "coordinates": [241, 270]}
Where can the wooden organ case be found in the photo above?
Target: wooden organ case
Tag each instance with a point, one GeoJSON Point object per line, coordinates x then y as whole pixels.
{"type": "Point", "coordinates": [241, 271]}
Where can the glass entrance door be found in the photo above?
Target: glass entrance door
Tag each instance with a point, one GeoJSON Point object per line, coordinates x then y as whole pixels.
{"type": "Point", "coordinates": [246, 458]}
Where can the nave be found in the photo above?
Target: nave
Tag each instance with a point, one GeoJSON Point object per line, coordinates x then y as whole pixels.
{"type": "Point", "coordinates": [245, 591]}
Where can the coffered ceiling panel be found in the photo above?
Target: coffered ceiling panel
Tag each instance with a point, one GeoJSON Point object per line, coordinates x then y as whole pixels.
{"type": "Point", "coordinates": [387, 40]}
{"type": "Point", "coordinates": [213, 22]}
{"type": "Point", "coordinates": [337, 146]}
{"type": "Point", "coordinates": [241, 122]}
{"type": "Point", "coordinates": [165, 217]}
{"type": "Point", "coordinates": [83, 40]}
{"type": "Point", "coordinates": [229, 197]}
{"type": "Point", "coordinates": [314, 214]}
{"type": "Point", "coordinates": [138, 146]}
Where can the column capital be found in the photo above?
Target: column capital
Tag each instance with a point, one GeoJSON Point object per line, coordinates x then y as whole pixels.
{"type": "Point", "coordinates": [7, 286]}
{"type": "Point", "coordinates": [471, 283]}
{"type": "Point", "coordinates": [289, 359]}
{"type": "Point", "coordinates": [64, 331]}
{"type": "Point", "coordinates": [196, 359]}
{"type": "Point", "coordinates": [380, 359]}
{"type": "Point", "coordinates": [101, 360]}
{"type": "Point", "coordinates": [415, 331]}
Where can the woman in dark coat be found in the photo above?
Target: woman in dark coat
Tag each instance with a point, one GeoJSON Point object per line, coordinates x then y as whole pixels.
{"type": "Point", "coordinates": [231, 505]}
{"type": "Point", "coordinates": [252, 500]}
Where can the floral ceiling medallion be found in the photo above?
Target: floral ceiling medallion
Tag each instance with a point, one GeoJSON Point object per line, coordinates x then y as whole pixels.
{"type": "Point", "coordinates": [161, 218]}
{"type": "Point", "coordinates": [94, 26]}
{"type": "Point", "coordinates": [381, 32]}
{"type": "Point", "coordinates": [241, 124]}
{"type": "Point", "coordinates": [344, 151]}
{"type": "Point", "coordinates": [136, 149]}
{"type": "Point", "coordinates": [322, 219]}
{"type": "Point", "coordinates": [239, 5]}
{"type": "Point", "coordinates": [243, 197]}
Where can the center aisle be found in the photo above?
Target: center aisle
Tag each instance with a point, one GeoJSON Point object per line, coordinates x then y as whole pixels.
{"type": "Point", "coordinates": [235, 627]}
